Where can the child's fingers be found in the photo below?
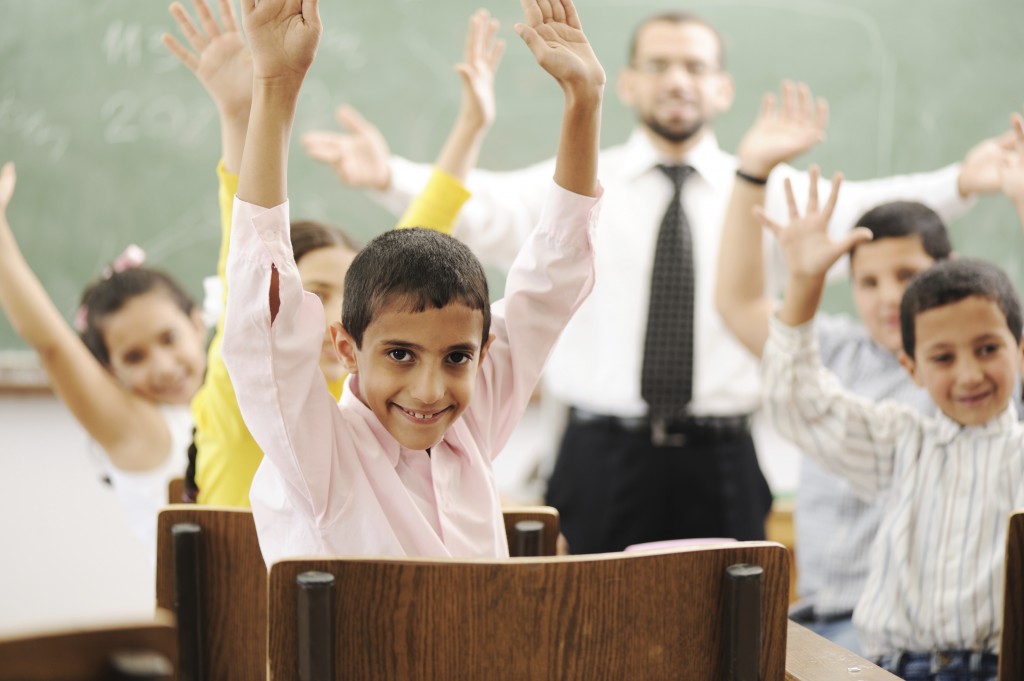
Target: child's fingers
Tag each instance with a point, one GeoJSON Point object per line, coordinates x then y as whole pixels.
{"type": "Point", "coordinates": [228, 16]}
{"type": "Point", "coordinates": [190, 61]}
{"type": "Point", "coordinates": [206, 19]}
{"type": "Point", "coordinates": [532, 39]}
{"type": "Point", "coordinates": [497, 51]}
{"type": "Point", "coordinates": [188, 29]}
{"type": "Point", "coordinates": [572, 17]}
{"type": "Point", "coordinates": [321, 146]}
{"type": "Point", "coordinates": [769, 224]}
{"type": "Point", "coordinates": [804, 101]}
{"type": "Point", "coordinates": [557, 11]}
{"type": "Point", "coordinates": [794, 212]}
{"type": "Point", "coordinates": [352, 120]}
{"type": "Point", "coordinates": [814, 174]}
{"type": "Point", "coordinates": [837, 181]}
{"type": "Point", "coordinates": [532, 13]}
{"type": "Point", "coordinates": [857, 235]}
{"type": "Point", "coordinates": [767, 105]}
{"type": "Point", "coordinates": [822, 121]}
{"type": "Point", "coordinates": [788, 98]}
{"type": "Point", "coordinates": [7, 181]}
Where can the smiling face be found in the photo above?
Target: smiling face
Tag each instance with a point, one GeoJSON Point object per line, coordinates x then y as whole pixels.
{"type": "Point", "coordinates": [416, 370]}
{"type": "Point", "coordinates": [880, 271]}
{"type": "Point", "coordinates": [155, 349]}
{"type": "Point", "coordinates": [322, 272]}
{"type": "Point", "coordinates": [675, 83]}
{"type": "Point", "coordinates": [967, 359]}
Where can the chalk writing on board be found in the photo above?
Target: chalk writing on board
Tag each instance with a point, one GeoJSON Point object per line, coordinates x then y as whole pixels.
{"type": "Point", "coordinates": [32, 126]}
{"type": "Point", "coordinates": [133, 45]}
{"type": "Point", "coordinates": [130, 117]}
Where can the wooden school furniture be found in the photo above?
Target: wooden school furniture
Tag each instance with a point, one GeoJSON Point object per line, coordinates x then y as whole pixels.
{"type": "Point", "coordinates": [211, 574]}
{"type": "Point", "coordinates": [1011, 646]}
{"type": "Point", "coordinates": [810, 657]}
{"type": "Point", "coordinates": [141, 651]}
{"type": "Point", "coordinates": [698, 613]}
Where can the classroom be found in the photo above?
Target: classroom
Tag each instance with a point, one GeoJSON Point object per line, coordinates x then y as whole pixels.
{"type": "Point", "coordinates": [116, 143]}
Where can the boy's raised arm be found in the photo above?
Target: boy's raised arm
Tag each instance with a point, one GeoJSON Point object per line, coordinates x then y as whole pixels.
{"type": "Point", "coordinates": [283, 36]}
{"type": "Point", "coordinates": [780, 133]}
{"type": "Point", "coordinates": [221, 62]}
{"type": "Point", "coordinates": [808, 249]}
{"type": "Point", "coordinates": [552, 31]}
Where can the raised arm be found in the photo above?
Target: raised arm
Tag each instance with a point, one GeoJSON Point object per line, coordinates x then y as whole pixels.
{"type": "Point", "coordinates": [808, 249]}
{"type": "Point", "coordinates": [359, 156]}
{"type": "Point", "coordinates": [552, 31]}
{"type": "Point", "coordinates": [780, 133]}
{"type": "Point", "coordinates": [128, 427]}
{"type": "Point", "coordinates": [221, 62]}
{"type": "Point", "coordinates": [283, 36]}
{"type": "Point", "coordinates": [438, 204]}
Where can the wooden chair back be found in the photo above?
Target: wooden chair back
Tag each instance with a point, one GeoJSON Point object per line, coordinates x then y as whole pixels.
{"type": "Point", "coordinates": [136, 651]}
{"type": "Point", "coordinates": [546, 515]}
{"type": "Point", "coordinates": [1011, 647]}
{"type": "Point", "coordinates": [176, 491]}
{"type": "Point", "coordinates": [211, 574]}
{"type": "Point", "coordinates": [638, 616]}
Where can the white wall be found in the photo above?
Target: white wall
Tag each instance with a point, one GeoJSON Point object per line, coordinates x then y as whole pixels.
{"type": "Point", "coordinates": [66, 554]}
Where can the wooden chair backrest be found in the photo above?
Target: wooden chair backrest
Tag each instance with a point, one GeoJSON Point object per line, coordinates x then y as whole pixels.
{"type": "Point", "coordinates": [547, 515]}
{"type": "Point", "coordinates": [86, 654]}
{"type": "Point", "coordinates": [176, 491]}
{"type": "Point", "coordinates": [638, 616]}
{"type": "Point", "coordinates": [232, 585]}
{"type": "Point", "coordinates": [1011, 647]}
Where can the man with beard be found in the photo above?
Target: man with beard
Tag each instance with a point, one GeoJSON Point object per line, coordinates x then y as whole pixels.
{"type": "Point", "coordinates": [657, 445]}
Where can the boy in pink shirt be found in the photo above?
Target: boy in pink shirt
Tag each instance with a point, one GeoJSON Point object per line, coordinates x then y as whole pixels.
{"type": "Point", "coordinates": [438, 377]}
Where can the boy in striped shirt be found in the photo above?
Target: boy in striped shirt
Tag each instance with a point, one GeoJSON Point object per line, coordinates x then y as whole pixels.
{"type": "Point", "coordinates": [933, 600]}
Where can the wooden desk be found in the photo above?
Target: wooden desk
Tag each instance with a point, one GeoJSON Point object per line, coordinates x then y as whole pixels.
{"type": "Point", "coordinates": [810, 657]}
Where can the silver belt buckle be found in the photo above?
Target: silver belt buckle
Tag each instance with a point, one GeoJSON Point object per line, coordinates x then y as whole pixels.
{"type": "Point", "coordinates": [660, 437]}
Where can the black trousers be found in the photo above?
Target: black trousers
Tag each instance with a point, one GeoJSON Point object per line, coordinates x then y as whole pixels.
{"type": "Point", "coordinates": [613, 487]}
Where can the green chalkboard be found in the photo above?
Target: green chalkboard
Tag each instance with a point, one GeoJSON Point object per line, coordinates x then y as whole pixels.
{"type": "Point", "coordinates": [116, 143]}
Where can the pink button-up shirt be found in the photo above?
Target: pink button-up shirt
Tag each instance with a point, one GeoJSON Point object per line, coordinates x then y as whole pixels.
{"type": "Point", "coordinates": [333, 481]}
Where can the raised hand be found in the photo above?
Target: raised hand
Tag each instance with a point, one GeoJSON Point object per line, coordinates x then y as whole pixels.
{"type": "Point", "coordinates": [480, 64]}
{"type": "Point", "coordinates": [283, 36]}
{"type": "Point", "coordinates": [783, 132]}
{"type": "Point", "coordinates": [552, 31]}
{"type": "Point", "coordinates": [219, 57]}
{"type": "Point", "coordinates": [1013, 165]}
{"type": "Point", "coordinates": [359, 156]}
{"type": "Point", "coordinates": [982, 168]}
{"type": "Point", "coordinates": [806, 244]}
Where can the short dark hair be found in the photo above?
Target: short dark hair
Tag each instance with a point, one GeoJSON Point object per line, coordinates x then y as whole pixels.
{"type": "Point", "coordinates": [107, 295]}
{"type": "Point", "coordinates": [421, 267]}
{"type": "Point", "coordinates": [951, 281]}
{"type": "Point", "coordinates": [309, 235]}
{"type": "Point", "coordinates": [908, 218]}
{"type": "Point", "coordinates": [674, 17]}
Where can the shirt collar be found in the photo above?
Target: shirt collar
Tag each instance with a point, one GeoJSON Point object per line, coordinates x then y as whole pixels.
{"type": "Point", "coordinates": [707, 158]}
{"type": "Point", "coordinates": [947, 429]}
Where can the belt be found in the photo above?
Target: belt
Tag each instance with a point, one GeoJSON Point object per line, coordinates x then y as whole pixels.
{"type": "Point", "coordinates": [668, 433]}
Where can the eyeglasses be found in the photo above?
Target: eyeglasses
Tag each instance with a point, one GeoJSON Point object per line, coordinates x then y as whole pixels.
{"type": "Point", "coordinates": [659, 67]}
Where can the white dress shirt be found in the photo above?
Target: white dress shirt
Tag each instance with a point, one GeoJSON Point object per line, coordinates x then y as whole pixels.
{"type": "Point", "coordinates": [597, 363]}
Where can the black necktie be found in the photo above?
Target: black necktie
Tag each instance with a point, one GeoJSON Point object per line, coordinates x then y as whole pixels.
{"type": "Point", "coordinates": [666, 382]}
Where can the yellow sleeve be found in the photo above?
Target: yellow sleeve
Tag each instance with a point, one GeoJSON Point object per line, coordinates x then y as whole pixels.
{"type": "Point", "coordinates": [437, 206]}
{"type": "Point", "coordinates": [226, 454]}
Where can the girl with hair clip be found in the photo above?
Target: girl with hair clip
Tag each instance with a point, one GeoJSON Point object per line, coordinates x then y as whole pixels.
{"type": "Point", "coordinates": [128, 377]}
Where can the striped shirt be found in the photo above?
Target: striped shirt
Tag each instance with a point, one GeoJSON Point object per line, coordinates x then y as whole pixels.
{"type": "Point", "coordinates": [935, 579]}
{"type": "Point", "coordinates": [834, 526]}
